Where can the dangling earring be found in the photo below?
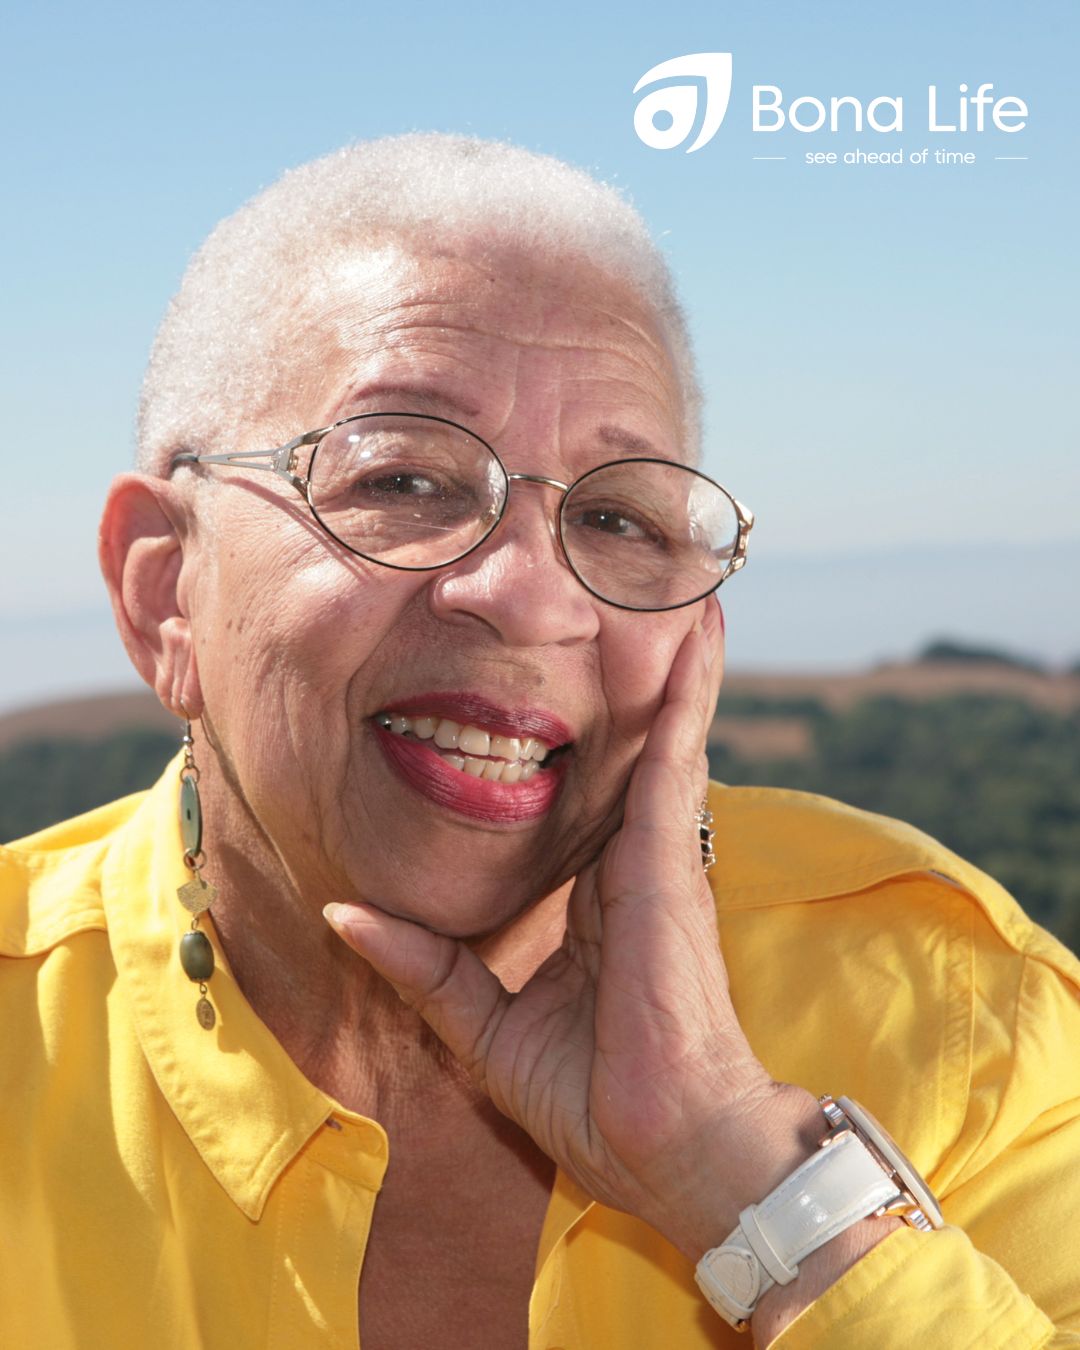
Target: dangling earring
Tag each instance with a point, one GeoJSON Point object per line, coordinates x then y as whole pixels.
{"type": "Point", "coordinates": [196, 895]}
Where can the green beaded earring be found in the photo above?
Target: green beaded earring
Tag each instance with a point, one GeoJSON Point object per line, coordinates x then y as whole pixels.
{"type": "Point", "coordinates": [196, 895]}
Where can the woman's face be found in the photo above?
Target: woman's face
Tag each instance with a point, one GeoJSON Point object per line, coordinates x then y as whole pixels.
{"type": "Point", "coordinates": [300, 645]}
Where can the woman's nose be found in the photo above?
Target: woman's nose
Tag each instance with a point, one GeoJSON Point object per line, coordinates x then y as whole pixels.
{"type": "Point", "coordinates": [518, 582]}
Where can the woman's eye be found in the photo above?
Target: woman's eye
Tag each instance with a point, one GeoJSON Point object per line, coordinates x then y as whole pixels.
{"type": "Point", "coordinates": [398, 492]}
{"type": "Point", "coordinates": [612, 522]}
{"type": "Point", "coordinates": [404, 485]}
{"type": "Point", "coordinates": [617, 523]}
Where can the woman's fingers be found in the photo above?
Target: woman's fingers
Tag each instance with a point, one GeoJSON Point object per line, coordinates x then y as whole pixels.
{"type": "Point", "coordinates": [712, 624]}
{"type": "Point", "coordinates": [439, 977]}
{"type": "Point", "coordinates": [713, 629]}
{"type": "Point", "coordinates": [666, 776]}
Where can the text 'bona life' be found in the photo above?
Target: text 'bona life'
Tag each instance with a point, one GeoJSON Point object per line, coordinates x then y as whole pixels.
{"type": "Point", "coordinates": [965, 112]}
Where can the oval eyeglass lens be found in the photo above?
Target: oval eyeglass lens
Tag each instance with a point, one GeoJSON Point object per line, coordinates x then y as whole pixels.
{"type": "Point", "coordinates": [648, 534]}
{"type": "Point", "coordinates": [407, 491]}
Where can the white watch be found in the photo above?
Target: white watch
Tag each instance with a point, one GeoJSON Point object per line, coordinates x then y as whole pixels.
{"type": "Point", "coordinates": [857, 1171]}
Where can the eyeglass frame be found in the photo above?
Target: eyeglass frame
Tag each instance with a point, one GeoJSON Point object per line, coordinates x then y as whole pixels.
{"type": "Point", "coordinates": [283, 462]}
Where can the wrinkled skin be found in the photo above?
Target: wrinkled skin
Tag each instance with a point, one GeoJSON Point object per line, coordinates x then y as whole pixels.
{"type": "Point", "coordinates": [327, 639]}
{"type": "Point", "coordinates": [618, 1053]}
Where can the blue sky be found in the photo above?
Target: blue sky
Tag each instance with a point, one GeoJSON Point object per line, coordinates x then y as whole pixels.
{"type": "Point", "coordinates": [889, 352]}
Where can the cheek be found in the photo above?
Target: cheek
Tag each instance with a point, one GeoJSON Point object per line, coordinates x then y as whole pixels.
{"type": "Point", "coordinates": [637, 660]}
{"type": "Point", "coordinates": [280, 644]}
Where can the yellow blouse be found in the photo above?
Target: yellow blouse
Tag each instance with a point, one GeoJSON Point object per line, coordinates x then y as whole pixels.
{"type": "Point", "coordinates": [162, 1186]}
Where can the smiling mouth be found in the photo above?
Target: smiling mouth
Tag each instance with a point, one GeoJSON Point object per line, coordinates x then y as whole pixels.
{"type": "Point", "coordinates": [473, 751]}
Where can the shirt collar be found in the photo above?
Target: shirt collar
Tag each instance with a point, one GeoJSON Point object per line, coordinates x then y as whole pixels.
{"type": "Point", "coordinates": [244, 1104]}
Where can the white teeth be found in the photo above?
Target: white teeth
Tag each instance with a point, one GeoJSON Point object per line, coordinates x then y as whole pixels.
{"type": "Point", "coordinates": [505, 747]}
{"type": "Point", "coordinates": [474, 741]}
{"type": "Point", "coordinates": [446, 734]}
{"type": "Point", "coordinates": [513, 759]}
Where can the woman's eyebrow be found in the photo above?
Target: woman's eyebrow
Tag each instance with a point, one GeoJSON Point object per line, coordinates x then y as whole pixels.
{"type": "Point", "coordinates": [630, 442]}
{"type": "Point", "coordinates": [401, 396]}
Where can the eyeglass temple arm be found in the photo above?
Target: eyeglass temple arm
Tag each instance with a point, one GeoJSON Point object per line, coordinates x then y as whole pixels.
{"type": "Point", "coordinates": [281, 461]}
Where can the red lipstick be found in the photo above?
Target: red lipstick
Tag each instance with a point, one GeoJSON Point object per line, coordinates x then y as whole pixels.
{"type": "Point", "coordinates": [469, 708]}
{"type": "Point", "coordinates": [478, 798]}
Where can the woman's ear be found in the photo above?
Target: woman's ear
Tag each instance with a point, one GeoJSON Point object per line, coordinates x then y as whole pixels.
{"type": "Point", "coordinates": [141, 543]}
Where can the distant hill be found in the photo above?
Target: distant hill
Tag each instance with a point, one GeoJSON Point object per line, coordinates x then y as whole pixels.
{"type": "Point", "coordinates": [979, 752]}
{"type": "Point", "coordinates": [950, 652]}
{"type": "Point", "coordinates": [760, 715]}
{"type": "Point", "coordinates": [913, 680]}
{"type": "Point", "coordinates": [87, 719]}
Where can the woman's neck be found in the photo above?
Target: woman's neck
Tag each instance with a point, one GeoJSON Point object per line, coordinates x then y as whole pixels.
{"type": "Point", "coordinates": [340, 1023]}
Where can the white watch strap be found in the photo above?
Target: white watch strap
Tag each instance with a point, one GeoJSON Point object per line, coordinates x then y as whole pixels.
{"type": "Point", "coordinates": [837, 1186]}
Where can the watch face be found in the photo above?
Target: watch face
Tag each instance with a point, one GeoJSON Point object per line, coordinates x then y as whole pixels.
{"type": "Point", "coordinates": [886, 1145]}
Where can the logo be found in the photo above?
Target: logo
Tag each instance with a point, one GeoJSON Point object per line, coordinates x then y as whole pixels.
{"type": "Point", "coordinates": [687, 99]}
{"type": "Point", "coordinates": [668, 116]}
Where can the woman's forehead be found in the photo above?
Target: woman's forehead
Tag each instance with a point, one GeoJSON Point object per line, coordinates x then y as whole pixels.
{"type": "Point", "coordinates": [455, 326]}
{"type": "Point", "coordinates": [505, 295]}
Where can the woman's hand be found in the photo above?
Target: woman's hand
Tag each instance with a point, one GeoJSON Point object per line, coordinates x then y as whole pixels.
{"type": "Point", "coordinates": [622, 1057]}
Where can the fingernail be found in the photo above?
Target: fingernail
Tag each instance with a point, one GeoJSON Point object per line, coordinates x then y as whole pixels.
{"type": "Point", "coordinates": [332, 914]}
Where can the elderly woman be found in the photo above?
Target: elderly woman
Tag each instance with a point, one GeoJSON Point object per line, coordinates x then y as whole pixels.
{"type": "Point", "coordinates": [419, 554]}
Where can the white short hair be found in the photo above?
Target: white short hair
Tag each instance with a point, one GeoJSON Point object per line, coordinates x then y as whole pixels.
{"type": "Point", "coordinates": [234, 333]}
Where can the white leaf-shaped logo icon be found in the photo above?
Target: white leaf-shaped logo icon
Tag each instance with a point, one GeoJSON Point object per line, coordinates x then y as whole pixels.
{"type": "Point", "coordinates": [711, 70]}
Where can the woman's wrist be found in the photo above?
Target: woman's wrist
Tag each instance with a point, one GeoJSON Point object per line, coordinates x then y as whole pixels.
{"type": "Point", "coordinates": [737, 1163]}
{"type": "Point", "coordinates": [817, 1273]}
{"type": "Point", "coordinates": [748, 1159]}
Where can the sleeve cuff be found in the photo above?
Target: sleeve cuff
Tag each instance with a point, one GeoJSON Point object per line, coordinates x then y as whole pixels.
{"type": "Point", "coordinates": [920, 1289]}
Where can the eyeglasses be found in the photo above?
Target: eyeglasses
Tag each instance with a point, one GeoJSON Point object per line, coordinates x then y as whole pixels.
{"type": "Point", "coordinates": [416, 492]}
